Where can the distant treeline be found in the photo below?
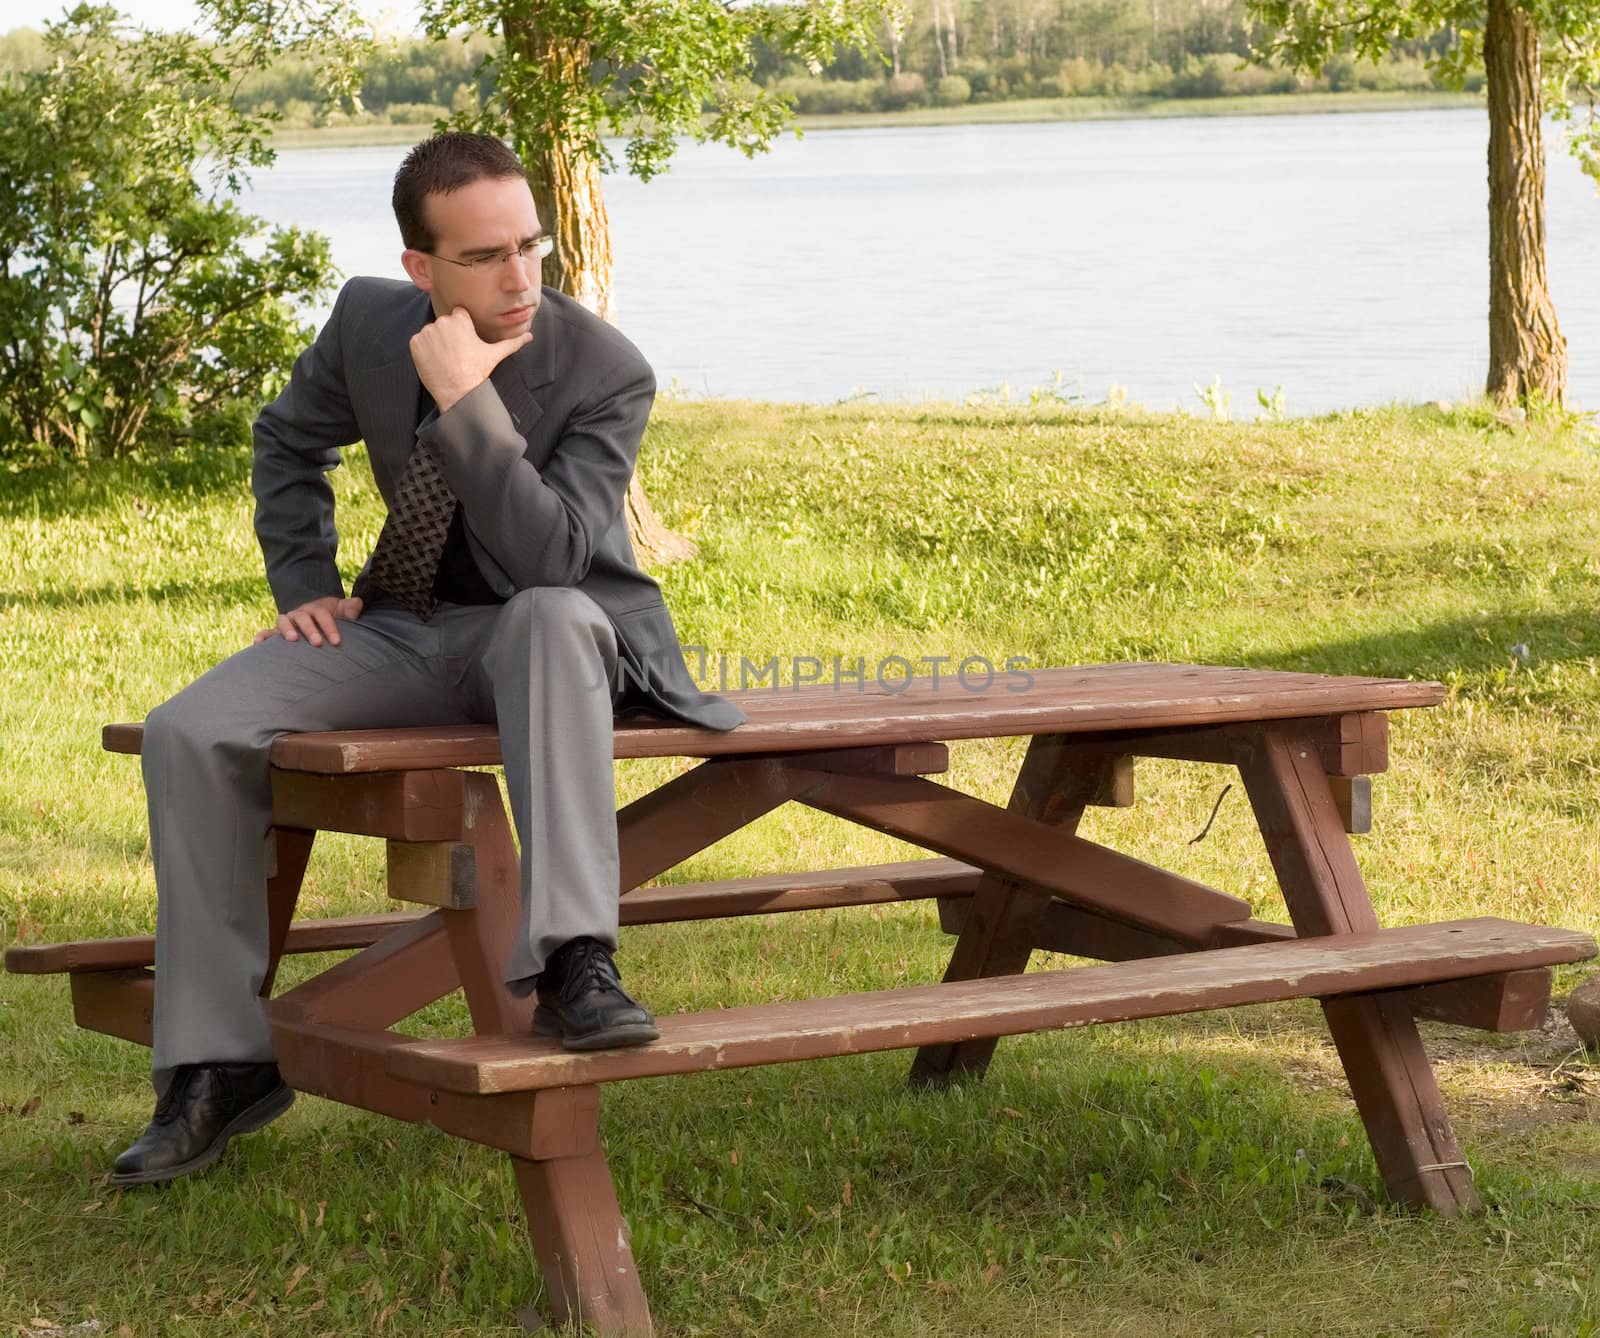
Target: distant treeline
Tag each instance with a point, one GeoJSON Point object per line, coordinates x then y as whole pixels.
{"type": "Point", "coordinates": [947, 53]}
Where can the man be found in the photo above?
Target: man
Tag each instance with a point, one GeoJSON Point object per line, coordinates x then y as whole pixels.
{"type": "Point", "coordinates": [503, 422]}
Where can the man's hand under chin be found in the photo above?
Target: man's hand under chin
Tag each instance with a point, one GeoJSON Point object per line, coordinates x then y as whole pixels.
{"type": "Point", "coordinates": [317, 621]}
{"type": "Point", "coordinates": [452, 360]}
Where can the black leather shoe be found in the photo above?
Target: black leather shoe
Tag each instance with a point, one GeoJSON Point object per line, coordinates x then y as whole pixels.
{"type": "Point", "coordinates": [582, 1001]}
{"type": "Point", "coordinates": [204, 1106]}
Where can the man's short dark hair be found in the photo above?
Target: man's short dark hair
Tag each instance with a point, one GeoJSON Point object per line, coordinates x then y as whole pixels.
{"type": "Point", "coordinates": [443, 164]}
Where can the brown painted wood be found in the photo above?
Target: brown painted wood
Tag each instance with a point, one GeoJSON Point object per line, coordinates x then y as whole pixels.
{"type": "Point", "coordinates": [102, 954]}
{"type": "Point", "coordinates": [349, 1065]}
{"type": "Point", "coordinates": [579, 1236]}
{"type": "Point", "coordinates": [433, 873]}
{"type": "Point", "coordinates": [1115, 789]}
{"type": "Point", "coordinates": [407, 969]}
{"type": "Point", "coordinates": [291, 850]}
{"type": "Point", "coordinates": [413, 806]}
{"type": "Point", "coordinates": [1352, 796]}
{"type": "Point", "coordinates": [1346, 743]}
{"type": "Point", "coordinates": [1387, 959]}
{"type": "Point", "coordinates": [1251, 931]}
{"type": "Point", "coordinates": [766, 894]}
{"type": "Point", "coordinates": [862, 885]}
{"type": "Point", "coordinates": [903, 759]}
{"type": "Point", "coordinates": [1053, 785]}
{"type": "Point", "coordinates": [582, 1245]}
{"type": "Point", "coordinates": [1059, 927]}
{"type": "Point", "coordinates": [480, 939]}
{"type": "Point", "coordinates": [1378, 1042]}
{"type": "Point", "coordinates": [819, 716]}
{"type": "Point", "coordinates": [1511, 1001]}
{"type": "Point", "coordinates": [698, 809]}
{"type": "Point", "coordinates": [1361, 748]}
{"type": "Point", "coordinates": [1022, 848]}
{"type": "Point", "coordinates": [118, 1003]}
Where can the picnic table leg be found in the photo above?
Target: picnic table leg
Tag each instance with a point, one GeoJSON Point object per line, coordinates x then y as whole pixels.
{"type": "Point", "coordinates": [1377, 1038]}
{"type": "Point", "coordinates": [291, 852]}
{"type": "Point", "coordinates": [574, 1221]}
{"type": "Point", "coordinates": [1055, 784]}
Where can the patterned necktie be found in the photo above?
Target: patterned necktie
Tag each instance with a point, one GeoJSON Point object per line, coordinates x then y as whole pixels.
{"type": "Point", "coordinates": [406, 557]}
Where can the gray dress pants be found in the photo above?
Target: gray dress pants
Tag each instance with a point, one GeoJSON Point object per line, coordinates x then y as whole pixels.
{"type": "Point", "coordinates": [542, 667]}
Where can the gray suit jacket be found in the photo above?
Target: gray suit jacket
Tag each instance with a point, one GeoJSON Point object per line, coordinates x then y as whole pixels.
{"type": "Point", "coordinates": [539, 455]}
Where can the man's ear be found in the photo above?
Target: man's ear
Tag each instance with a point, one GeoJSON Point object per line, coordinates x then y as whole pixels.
{"type": "Point", "coordinates": [419, 268]}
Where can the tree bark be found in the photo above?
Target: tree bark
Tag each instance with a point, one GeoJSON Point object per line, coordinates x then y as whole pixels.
{"type": "Point", "coordinates": [1527, 351]}
{"type": "Point", "coordinates": [569, 196]}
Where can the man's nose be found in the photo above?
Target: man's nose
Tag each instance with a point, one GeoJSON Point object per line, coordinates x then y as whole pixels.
{"type": "Point", "coordinates": [518, 274]}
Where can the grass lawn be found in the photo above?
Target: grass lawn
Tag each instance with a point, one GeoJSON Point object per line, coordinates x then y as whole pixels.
{"type": "Point", "coordinates": [1195, 1176]}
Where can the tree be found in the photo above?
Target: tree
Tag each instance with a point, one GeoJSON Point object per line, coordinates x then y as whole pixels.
{"type": "Point", "coordinates": [130, 296]}
{"type": "Point", "coordinates": [1537, 56]}
{"type": "Point", "coordinates": [572, 69]}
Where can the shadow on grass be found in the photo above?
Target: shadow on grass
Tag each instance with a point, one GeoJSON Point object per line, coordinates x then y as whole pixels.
{"type": "Point", "coordinates": [245, 590]}
{"type": "Point", "coordinates": [59, 489]}
{"type": "Point", "coordinates": [1471, 645]}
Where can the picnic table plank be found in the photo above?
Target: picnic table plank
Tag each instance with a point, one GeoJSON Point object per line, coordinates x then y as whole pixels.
{"type": "Point", "coordinates": [763, 894]}
{"type": "Point", "coordinates": [1003, 1005]}
{"type": "Point", "coordinates": [107, 954]}
{"type": "Point", "coordinates": [821, 715]}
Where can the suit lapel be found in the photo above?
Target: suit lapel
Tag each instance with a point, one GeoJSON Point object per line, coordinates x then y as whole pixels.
{"type": "Point", "coordinates": [385, 395]}
{"type": "Point", "coordinates": [527, 371]}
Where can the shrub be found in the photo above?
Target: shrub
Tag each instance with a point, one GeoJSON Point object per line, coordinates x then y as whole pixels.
{"type": "Point", "coordinates": [132, 299]}
{"type": "Point", "coordinates": [1202, 77]}
{"type": "Point", "coordinates": [951, 91]}
{"type": "Point", "coordinates": [1341, 74]}
{"type": "Point", "coordinates": [980, 78]}
{"type": "Point", "coordinates": [901, 91]}
{"type": "Point", "coordinates": [298, 114]}
{"type": "Point", "coordinates": [1078, 77]}
{"type": "Point", "coordinates": [811, 96]}
{"type": "Point", "coordinates": [416, 113]}
{"type": "Point", "coordinates": [1406, 73]}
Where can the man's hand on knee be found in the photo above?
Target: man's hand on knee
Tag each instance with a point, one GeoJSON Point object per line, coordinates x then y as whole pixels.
{"type": "Point", "coordinates": [317, 621]}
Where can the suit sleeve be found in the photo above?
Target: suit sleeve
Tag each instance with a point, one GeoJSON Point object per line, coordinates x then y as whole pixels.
{"type": "Point", "coordinates": [542, 525]}
{"type": "Point", "coordinates": [297, 441]}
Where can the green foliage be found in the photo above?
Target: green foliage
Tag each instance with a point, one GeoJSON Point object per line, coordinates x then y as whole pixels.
{"type": "Point", "coordinates": [1312, 34]}
{"type": "Point", "coordinates": [133, 300]}
{"type": "Point", "coordinates": [658, 72]}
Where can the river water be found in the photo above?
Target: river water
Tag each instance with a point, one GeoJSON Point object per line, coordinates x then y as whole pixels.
{"type": "Point", "coordinates": [1341, 257]}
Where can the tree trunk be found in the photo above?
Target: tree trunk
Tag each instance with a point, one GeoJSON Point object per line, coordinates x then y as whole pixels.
{"type": "Point", "coordinates": [1527, 352]}
{"type": "Point", "coordinates": [571, 202]}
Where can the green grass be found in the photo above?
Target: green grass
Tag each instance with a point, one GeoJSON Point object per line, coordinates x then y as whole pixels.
{"type": "Point", "coordinates": [1011, 111]}
{"type": "Point", "coordinates": [1165, 1177]}
{"type": "Point", "coordinates": [1105, 108]}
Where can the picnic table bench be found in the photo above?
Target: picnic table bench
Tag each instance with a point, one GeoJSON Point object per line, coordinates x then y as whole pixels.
{"type": "Point", "coordinates": [1007, 880]}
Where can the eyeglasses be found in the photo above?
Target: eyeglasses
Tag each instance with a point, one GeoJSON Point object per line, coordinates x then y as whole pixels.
{"type": "Point", "coordinates": [530, 251]}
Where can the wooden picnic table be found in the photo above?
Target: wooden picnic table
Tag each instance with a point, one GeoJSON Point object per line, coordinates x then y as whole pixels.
{"type": "Point", "coordinates": [1008, 880]}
